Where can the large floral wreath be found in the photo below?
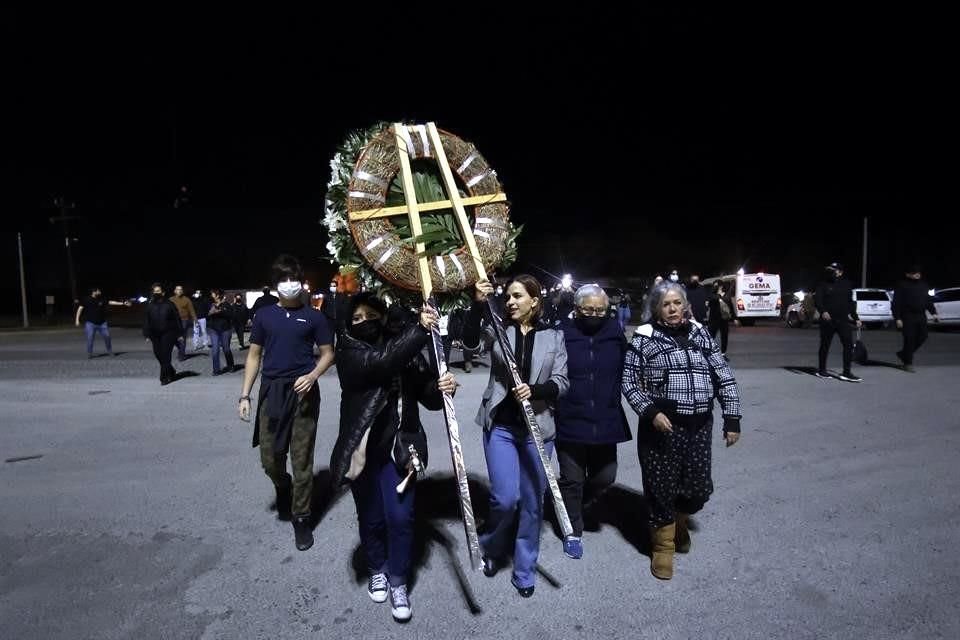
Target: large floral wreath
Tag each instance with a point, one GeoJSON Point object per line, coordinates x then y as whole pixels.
{"type": "Point", "coordinates": [440, 235]}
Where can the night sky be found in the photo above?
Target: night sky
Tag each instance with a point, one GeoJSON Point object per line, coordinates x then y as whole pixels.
{"type": "Point", "coordinates": [627, 143]}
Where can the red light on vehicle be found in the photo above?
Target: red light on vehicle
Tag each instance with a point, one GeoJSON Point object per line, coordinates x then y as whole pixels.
{"type": "Point", "coordinates": [740, 306]}
{"type": "Point", "coordinates": [778, 303]}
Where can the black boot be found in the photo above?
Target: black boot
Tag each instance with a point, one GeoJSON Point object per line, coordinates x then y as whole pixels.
{"type": "Point", "coordinates": [302, 532]}
{"type": "Point", "coordinates": [284, 498]}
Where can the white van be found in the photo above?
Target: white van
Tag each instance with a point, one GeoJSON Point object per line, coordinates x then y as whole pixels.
{"type": "Point", "coordinates": [756, 295]}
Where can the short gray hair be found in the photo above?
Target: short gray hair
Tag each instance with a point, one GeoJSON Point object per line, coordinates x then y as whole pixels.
{"type": "Point", "coordinates": [590, 290]}
{"type": "Point", "coordinates": [658, 293]}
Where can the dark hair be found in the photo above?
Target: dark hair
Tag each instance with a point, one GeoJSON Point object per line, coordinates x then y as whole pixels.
{"type": "Point", "coordinates": [286, 266]}
{"type": "Point", "coordinates": [368, 299]}
{"type": "Point", "coordinates": [219, 293]}
{"type": "Point", "coordinates": [265, 290]}
{"type": "Point", "coordinates": [92, 289]}
{"type": "Point", "coordinates": [914, 268]}
{"type": "Point", "coordinates": [155, 285]}
{"type": "Point", "coordinates": [533, 288]}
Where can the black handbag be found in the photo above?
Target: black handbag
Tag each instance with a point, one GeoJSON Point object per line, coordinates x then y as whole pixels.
{"type": "Point", "coordinates": [410, 450]}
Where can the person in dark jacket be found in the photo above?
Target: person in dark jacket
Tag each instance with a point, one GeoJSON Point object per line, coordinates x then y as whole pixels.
{"type": "Point", "coordinates": [201, 304]}
{"type": "Point", "coordinates": [240, 316]}
{"type": "Point", "coordinates": [911, 299]}
{"type": "Point", "coordinates": [834, 300]}
{"type": "Point", "coordinates": [672, 373]}
{"type": "Point", "coordinates": [220, 330]}
{"type": "Point", "coordinates": [590, 417]}
{"type": "Point", "coordinates": [383, 376]}
{"type": "Point", "coordinates": [161, 326]}
{"type": "Point", "coordinates": [265, 300]}
{"type": "Point", "coordinates": [282, 338]}
{"type": "Point", "coordinates": [719, 314]}
{"type": "Point", "coordinates": [697, 296]}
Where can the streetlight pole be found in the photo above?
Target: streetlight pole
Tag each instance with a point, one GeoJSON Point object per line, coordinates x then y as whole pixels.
{"type": "Point", "coordinates": [23, 283]}
{"type": "Point", "coordinates": [863, 274]}
{"type": "Point", "coordinates": [63, 205]}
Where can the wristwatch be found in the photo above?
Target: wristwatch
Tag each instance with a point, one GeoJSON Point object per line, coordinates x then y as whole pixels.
{"type": "Point", "coordinates": [242, 398]}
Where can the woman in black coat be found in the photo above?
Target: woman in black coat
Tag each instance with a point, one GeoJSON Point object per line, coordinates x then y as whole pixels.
{"type": "Point", "coordinates": [383, 375]}
{"type": "Point", "coordinates": [590, 417]}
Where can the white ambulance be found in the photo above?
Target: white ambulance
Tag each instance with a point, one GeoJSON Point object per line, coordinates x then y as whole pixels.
{"type": "Point", "coordinates": [755, 295]}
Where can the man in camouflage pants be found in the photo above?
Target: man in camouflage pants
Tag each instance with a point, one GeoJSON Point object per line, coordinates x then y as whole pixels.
{"type": "Point", "coordinates": [288, 405]}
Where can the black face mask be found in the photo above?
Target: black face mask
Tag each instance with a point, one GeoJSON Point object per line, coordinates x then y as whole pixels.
{"type": "Point", "coordinates": [157, 297]}
{"type": "Point", "coordinates": [369, 331]}
{"type": "Point", "coordinates": [590, 324]}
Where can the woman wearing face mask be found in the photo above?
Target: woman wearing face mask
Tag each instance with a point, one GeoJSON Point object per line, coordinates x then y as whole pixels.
{"type": "Point", "coordinates": [220, 330]}
{"type": "Point", "coordinates": [161, 326]}
{"type": "Point", "coordinates": [590, 417]}
{"type": "Point", "coordinates": [283, 336]}
{"type": "Point", "coordinates": [517, 479]}
{"type": "Point", "coordinates": [383, 375]}
{"type": "Point", "coordinates": [671, 374]}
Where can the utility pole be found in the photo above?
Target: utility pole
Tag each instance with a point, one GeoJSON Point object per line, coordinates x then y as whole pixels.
{"type": "Point", "coordinates": [23, 283]}
{"type": "Point", "coordinates": [863, 274]}
{"type": "Point", "coordinates": [63, 205]}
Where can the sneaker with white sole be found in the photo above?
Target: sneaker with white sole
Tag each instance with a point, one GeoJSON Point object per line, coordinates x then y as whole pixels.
{"type": "Point", "coordinates": [849, 377]}
{"type": "Point", "coordinates": [822, 374]}
{"type": "Point", "coordinates": [400, 603]}
{"type": "Point", "coordinates": [378, 587]}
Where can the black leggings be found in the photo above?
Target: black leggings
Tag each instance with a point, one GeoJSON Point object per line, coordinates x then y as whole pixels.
{"type": "Point", "coordinates": [843, 331]}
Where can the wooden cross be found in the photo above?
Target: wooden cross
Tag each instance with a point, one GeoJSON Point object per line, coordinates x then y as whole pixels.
{"type": "Point", "coordinates": [412, 209]}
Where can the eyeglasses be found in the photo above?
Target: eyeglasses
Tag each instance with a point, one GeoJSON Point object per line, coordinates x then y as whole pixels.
{"type": "Point", "coordinates": [592, 311]}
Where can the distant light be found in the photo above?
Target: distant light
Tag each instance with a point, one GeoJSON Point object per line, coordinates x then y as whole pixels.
{"type": "Point", "coordinates": [141, 299]}
{"type": "Point", "coordinates": [196, 294]}
{"type": "Point", "coordinates": [740, 271]}
{"type": "Point", "coordinates": [306, 286]}
{"type": "Point", "coordinates": [932, 292]}
{"type": "Point", "coordinates": [567, 281]}
{"type": "Point", "coordinates": [800, 295]}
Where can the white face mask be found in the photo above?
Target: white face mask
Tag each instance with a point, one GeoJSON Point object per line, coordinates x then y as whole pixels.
{"type": "Point", "coordinates": [289, 290]}
{"type": "Point", "coordinates": [333, 289]}
{"type": "Point", "coordinates": [674, 277]}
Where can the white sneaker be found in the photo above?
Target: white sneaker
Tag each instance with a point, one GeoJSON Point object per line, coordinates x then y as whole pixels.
{"type": "Point", "coordinates": [400, 603]}
{"type": "Point", "coordinates": [377, 587]}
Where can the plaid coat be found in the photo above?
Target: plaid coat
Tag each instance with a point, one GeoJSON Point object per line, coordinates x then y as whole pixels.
{"type": "Point", "coordinates": [683, 371]}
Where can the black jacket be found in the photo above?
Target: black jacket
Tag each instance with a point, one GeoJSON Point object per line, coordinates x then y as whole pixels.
{"type": "Point", "coordinates": [910, 299]}
{"type": "Point", "coordinates": [836, 298]}
{"type": "Point", "coordinates": [263, 301]}
{"type": "Point", "coordinates": [161, 317]}
{"type": "Point", "coordinates": [697, 297]}
{"type": "Point", "coordinates": [367, 375]}
{"type": "Point", "coordinates": [220, 317]}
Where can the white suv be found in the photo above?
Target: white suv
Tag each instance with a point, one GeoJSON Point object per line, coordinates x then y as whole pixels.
{"type": "Point", "coordinates": [873, 306]}
{"type": "Point", "coordinates": [947, 304]}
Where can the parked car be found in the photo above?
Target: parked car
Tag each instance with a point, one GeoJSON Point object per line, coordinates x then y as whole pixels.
{"type": "Point", "coordinates": [873, 306]}
{"type": "Point", "coordinates": [947, 304]}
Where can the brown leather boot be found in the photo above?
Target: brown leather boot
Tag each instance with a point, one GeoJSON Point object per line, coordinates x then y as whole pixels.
{"type": "Point", "coordinates": [661, 558]}
{"type": "Point", "coordinates": [682, 539]}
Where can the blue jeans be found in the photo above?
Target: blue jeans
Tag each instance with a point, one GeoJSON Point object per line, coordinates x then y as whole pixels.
{"type": "Point", "coordinates": [91, 330]}
{"type": "Point", "coordinates": [220, 340]}
{"type": "Point", "coordinates": [385, 518]}
{"type": "Point", "coordinates": [517, 484]}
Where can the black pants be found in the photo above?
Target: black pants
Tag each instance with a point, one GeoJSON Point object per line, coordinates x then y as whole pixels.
{"type": "Point", "coordinates": [843, 331]}
{"type": "Point", "coordinates": [586, 471]}
{"type": "Point", "coordinates": [163, 345]}
{"type": "Point", "coordinates": [914, 335]}
{"type": "Point", "coordinates": [238, 328]}
{"type": "Point", "coordinates": [676, 468]}
{"type": "Point", "coordinates": [723, 327]}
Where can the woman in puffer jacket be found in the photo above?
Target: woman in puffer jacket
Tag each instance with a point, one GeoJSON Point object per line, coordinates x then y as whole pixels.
{"type": "Point", "coordinates": [671, 375]}
{"type": "Point", "coordinates": [383, 376]}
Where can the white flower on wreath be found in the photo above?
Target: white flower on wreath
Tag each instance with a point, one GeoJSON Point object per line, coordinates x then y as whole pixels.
{"type": "Point", "coordinates": [335, 165]}
{"type": "Point", "coordinates": [331, 249]}
{"type": "Point", "coordinates": [332, 219]}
